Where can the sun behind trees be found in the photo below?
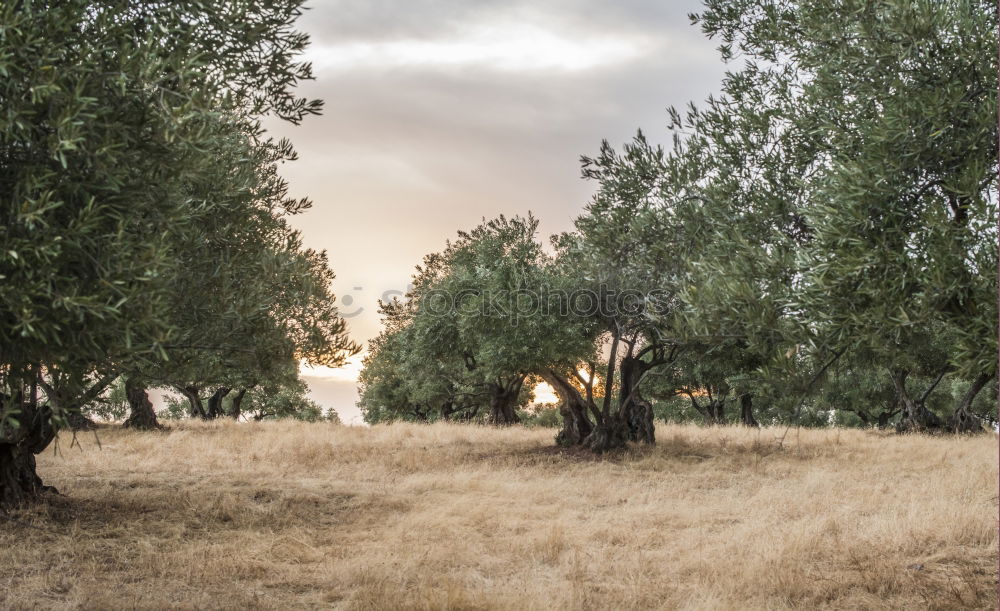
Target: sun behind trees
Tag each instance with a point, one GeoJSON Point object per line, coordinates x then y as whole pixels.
{"type": "Point", "coordinates": [142, 215]}
{"type": "Point", "coordinates": [830, 219]}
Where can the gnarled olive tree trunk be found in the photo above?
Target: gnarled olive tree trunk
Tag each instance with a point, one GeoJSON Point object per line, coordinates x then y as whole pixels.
{"type": "Point", "coordinates": [503, 401]}
{"type": "Point", "coordinates": [237, 408]}
{"type": "Point", "coordinates": [916, 416]}
{"type": "Point", "coordinates": [637, 411]}
{"type": "Point", "coordinates": [746, 411]}
{"type": "Point", "coordinates": [713, 412]}
{"type": "Point", "coordinates": [573, 409]}
{"type": "Point", "coordinates": [19, 480]}
{"type": "Point", "coordinates": [610, 433]}
{"type": "Point", "coordinates": [632, 417]}
{"type": "Point", "coordinates": [215, 403]}
{"type": "Point", "coordinates": [141, 415]}
{"type": "Point", "coordinates": [963, 420]}
{"type": "Point", "coordinates": [194, 399]}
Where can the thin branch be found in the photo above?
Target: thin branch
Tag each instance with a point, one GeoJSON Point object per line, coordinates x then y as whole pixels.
{"type": "Point", "coordinates": [805, 393]}
{"type": "Point", "coordinates": [934, 384]}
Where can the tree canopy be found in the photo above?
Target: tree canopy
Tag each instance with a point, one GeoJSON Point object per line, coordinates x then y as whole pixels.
{"type": "Point", "coordinates": [140, 207]}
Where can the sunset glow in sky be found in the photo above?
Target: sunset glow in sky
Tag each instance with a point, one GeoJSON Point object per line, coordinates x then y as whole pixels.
{"type": "Point", "coordinates": [439, 113]}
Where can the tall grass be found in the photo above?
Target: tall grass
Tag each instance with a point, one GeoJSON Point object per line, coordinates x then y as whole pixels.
{"type": "Point", "coordinates": [291, 515]}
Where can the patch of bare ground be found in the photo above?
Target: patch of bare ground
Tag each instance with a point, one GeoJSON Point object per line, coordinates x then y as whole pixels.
{"type": "Point", "coordinates": [295, 515]}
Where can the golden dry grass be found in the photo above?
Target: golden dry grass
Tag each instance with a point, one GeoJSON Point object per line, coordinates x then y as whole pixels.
{"type": "Point", "coordinates": [292, 515]}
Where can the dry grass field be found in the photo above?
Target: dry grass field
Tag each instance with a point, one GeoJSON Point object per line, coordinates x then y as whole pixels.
{"type": "Point", "coordinates": [292, 515]}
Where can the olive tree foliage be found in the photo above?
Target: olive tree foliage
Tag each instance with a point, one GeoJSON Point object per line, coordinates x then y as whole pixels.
{"type": "Point", "coordinates": [401, 378]}
{"type": "Point", "coordinates": [840, 195]}
{"type": "Point", "coordinates": [484, 317]}
{"type": "Point", "coordinates": [833, 210]}
{"type": "Point", "coordinates": [111, 113]}
{"type": "Point", "coordinates": [251, 306]}
{"type": "Point", "coordinates": [400, 382]}
{"type": "Point", "coordinates": [634, 245]}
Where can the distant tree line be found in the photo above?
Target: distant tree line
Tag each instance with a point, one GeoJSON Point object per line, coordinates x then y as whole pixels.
{"type": "Point", "coordinates": [144, 239]}
{"type": "Point", "coordinates": [818, 245]}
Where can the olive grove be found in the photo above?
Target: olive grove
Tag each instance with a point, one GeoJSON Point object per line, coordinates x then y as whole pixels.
{"type": "Point", "coordinates": [817, 245]}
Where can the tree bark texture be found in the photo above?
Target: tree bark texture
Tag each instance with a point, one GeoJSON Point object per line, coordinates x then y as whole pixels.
{"type": "Point", "coordinates": [573, 409]}
{"type": "Point", "coordinates": [141, 415]}
{"type": "Point", "coordinates": [916, 416]}
{"type": "Point", "coordinates": [637, 411]}
{"type": "Point", "coordinates": [746, 411]}
{"type": "Point", "coordinates": [193, 397]}
{"type": "Point", "coordinates": [19, 480]}
{"type": "Point", "coordinates": [963, 420]}
{"type": "Point", "coordinates": [237, 408]}
{"type": "Point", "coordinates": [215, 403]}
{"type": "Point", "coordinates": [503, 403]}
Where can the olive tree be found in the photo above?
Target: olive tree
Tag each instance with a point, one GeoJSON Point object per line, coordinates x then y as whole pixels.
{"type": "Point", "coordinates": [103, 130]}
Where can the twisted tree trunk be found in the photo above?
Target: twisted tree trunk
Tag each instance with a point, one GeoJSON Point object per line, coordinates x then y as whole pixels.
{"type": "Point", "coordinates": [215, 403]}
{"type": "Point", "coordinates": [746, 411]}
{"type": "Point", "coordinates": [194, 399]}
{"type": "Point", "coordinates": [632, 417]}
{"type": "Point", "coordinates": [503, 402]}
{"type": "Point", "coordinates": [916, 416]}
{"type": "Point", "coordinates": [141, 415]}
{"type": "Point", "coordinates": [610, 433]}
{"type": "Point", "coordinates": [963, 420]}
{"type": "Point", "coordinates": [237, 408]}
{"type": "Point", "coordinates": [19, 480]}
{"type": "Point", "coordinates": [638, 412]}
{"type": "Point", "coordinates": [572, 408]}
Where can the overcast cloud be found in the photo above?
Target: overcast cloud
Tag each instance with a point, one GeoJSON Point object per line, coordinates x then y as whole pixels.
{"type": "Point", "coordinates": [441, 112]}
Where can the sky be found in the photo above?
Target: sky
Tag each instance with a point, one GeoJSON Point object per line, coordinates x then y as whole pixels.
{"type": "Point", "coordinates": [439, 113]}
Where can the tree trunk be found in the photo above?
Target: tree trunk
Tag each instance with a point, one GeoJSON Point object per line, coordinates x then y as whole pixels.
{"type": "Point", "coordinates": [715, 412]}
{"type": "Point", "coordinates": [611, 434]}
{"type": "Point", "coordinates": [963, 420]}
{"type": "Point", "coordinates": [916, 416]}
{"type": "Point", "coordinates": [19, 481]}
{"type": "Point", "coordinates": [237, 408]}
{"type": "Point", "coordinates": [572, 408]}
{"type": "Point", "coordinates": [503, 402]}
{"type": "Point", "coordinates": [193, 397]}
{"type": "Point", "coordinates": [746, 411]}
{"type": "Point", "coordinates": [611, 430]}
{"type": "Point", "coordinates": [637, 411]}
{"type": "Point", "coordinates": [215, 403]}
{"type": "Point", "coordinates": [883, 418]}
{"type": "Point", "coordinates": [141, 415]}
